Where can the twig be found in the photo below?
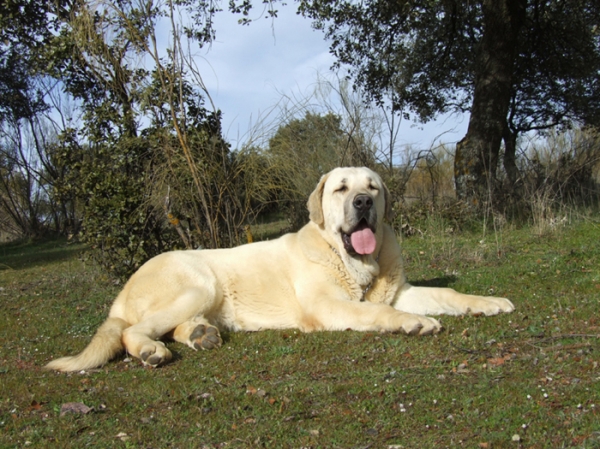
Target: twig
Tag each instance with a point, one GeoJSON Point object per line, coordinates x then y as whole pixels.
{"type": "Point", "coordinates": [566, 347]}
{"type": "Point", "coordinates": [175, 221]}
{"type": "Point", "coordinates": [562, 336]}
{"type": "Point", "coordinates": [470, 351]}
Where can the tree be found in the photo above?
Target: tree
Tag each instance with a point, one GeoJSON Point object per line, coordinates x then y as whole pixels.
{"type": "Point", "coordinates": [135, 127]}
{"type": "Point", "coordinates": [27, 171]}
{"type": "Point", "coordinates": [559, 87]}
{"type": "Point", "coordinates": [147, 156]}
{"type": "Point", "coordinates": [24, 28]}
{"type": "Point", "coordinates": [205, 190]}
{"type": "Point", "coordinates": [303, 149]}
{"type": "Point", "coordinates": [515, 65]}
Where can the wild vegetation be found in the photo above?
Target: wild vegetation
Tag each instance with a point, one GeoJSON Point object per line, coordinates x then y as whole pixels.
{"type": "Point", "coordinates": [108, 135]}
{"type": "Point", "coordinates": [517, 66]}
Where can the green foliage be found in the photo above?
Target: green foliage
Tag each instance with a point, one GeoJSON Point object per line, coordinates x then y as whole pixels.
{"type": "Point", "coordinates": [556, 72]}
{"type": "Point", "coordinates": [111, 183]}
{"type": "Point", "coordinates": [143, 189]}
{"type": "Point", "coordinates": [31, 23]}
{"type": "Point", "coordinates": [302, 150]}
{"type": "Point", "coordinates": [516, 66]}
{"type": "Point", "coordinates": [208, 191]}
{"type": "Point", "coordinates": [109, 164]}
{"type": "Point", "coordinates": [19, 99]}
{"type": "Point", "coordinates": [424, 55]}
{"type": "Point", "coordinates": [146, 159]}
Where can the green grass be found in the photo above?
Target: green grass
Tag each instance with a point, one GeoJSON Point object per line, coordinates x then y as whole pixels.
{"type": "Point", "coordinates": [532, 373]}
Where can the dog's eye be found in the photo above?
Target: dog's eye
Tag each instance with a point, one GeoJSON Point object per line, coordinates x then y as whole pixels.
{"type": "Point", "coordinates": [373, 188]}
{"type": "Point", "coordinates": [341, 189]}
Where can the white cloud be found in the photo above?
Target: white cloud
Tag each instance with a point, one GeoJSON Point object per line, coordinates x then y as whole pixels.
{"type": "Point", "coordinates": [248, 68]}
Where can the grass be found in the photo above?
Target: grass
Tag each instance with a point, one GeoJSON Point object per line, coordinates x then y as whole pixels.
{"type": "Point", "coordinates": [482, 381]}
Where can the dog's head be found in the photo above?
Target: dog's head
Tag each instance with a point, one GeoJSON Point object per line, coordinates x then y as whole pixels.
{"type": "Point", "coordinates": [350, 204]}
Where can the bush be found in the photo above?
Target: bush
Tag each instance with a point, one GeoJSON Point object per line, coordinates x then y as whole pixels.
{"type": "Point", "coordinates": [564, 169]}
{"type": "Point", "coordinates": [118, 222]}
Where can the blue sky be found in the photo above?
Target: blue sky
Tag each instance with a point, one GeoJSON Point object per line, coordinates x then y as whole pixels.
{"type": "Point", "coordinates": [248, 69]}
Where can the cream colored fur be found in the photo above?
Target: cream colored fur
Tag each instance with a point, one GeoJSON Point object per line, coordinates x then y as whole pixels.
{"type": "Point", "coordinates": [305, 280]}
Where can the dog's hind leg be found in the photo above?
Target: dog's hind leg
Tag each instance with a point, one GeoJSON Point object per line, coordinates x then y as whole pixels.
{"type": "Point", "coordinates": [198, 333]}
{"type": "Point", "coordinates": [140, 340]}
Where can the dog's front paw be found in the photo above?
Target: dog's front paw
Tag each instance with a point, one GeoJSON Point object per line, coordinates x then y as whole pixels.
{"type": "Point", "coordinates": [412, 324]}
{"type": "Point", "coordinates": [155, 354]}
{"type": "Point", "coordinates": [490, 305]}
{"type": "Point", "coordinates": [205, 336]}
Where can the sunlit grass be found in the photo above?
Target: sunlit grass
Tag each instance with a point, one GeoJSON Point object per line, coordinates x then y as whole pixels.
{"type": "Point", "coordinates": [533, 373]}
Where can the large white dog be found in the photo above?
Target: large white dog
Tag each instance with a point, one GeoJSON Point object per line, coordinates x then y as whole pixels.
{"type": "Point", "coordinates": [343, 270]}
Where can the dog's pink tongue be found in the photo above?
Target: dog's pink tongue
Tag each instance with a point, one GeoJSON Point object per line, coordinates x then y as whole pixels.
{"type": "Point", "coordinates": [363, 241]}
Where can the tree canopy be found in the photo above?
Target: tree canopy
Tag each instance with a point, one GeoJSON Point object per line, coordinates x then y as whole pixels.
{"type": "Point", "coordinates": [112, 127]}
{"type": "Point", "coordinates": [515, 65]}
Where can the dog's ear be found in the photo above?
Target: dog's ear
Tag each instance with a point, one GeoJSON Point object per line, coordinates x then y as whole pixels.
{"type": "Point", "coordinates": [389, 213]}
{"type": "Point", "coordinates": [315, 202]}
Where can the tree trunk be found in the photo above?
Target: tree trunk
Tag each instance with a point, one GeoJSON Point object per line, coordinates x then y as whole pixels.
{"type": "Point", "coordinates": [476, 158]}
{"type": "Point", "coordinates": [510, 159]}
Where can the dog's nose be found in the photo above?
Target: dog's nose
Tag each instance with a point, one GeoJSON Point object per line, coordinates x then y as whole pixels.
{"type": "Point", "coordinates": [362, 203]}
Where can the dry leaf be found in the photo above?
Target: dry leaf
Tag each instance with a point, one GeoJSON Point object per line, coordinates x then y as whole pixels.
{"type": "Point", "coordinates": [123, 436]}
{"type": "Point", "coordinates": [496, 361]}
{"type": "Point", "coordinates": [75, 407]}
{"type": "Point", "coordinates": [261, 393]}
{"type": "Point", "coordinates": [35, 405]}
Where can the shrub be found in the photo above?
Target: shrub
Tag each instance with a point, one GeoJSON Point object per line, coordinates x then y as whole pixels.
{"type": "Point", "coordinates": [118, 222]}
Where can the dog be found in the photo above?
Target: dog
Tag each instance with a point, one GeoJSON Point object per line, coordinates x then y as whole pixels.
{"type": "Point", "coordinates": [342, 270]}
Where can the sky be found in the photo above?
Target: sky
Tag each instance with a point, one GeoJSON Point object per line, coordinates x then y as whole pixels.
{"type": "Point", "coordinates": [249, 69]}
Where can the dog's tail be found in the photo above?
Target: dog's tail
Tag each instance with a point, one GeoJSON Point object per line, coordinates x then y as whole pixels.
{"type": "Point", "coordinates": [105, 345]}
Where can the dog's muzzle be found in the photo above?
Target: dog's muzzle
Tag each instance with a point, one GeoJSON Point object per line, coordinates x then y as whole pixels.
{"type": "Point", "coordinates": [362, 204]}
{"type": "Point", "coordinates": [361, 238]}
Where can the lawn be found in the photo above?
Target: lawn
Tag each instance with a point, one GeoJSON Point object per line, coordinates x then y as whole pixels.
{"type": "Point", "coordinates": [528, 379]}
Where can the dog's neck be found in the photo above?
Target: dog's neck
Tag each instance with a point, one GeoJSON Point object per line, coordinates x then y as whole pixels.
{"type": "Point", "coordinates": [363, 275]}
{"type": "Point", "coordinates": [363, 269]}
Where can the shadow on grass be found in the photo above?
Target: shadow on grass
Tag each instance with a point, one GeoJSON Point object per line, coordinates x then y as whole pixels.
{"type": "Point", "coordinates": [30, 253]}
{"type": "Point", "coordinates": [443, 281]}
